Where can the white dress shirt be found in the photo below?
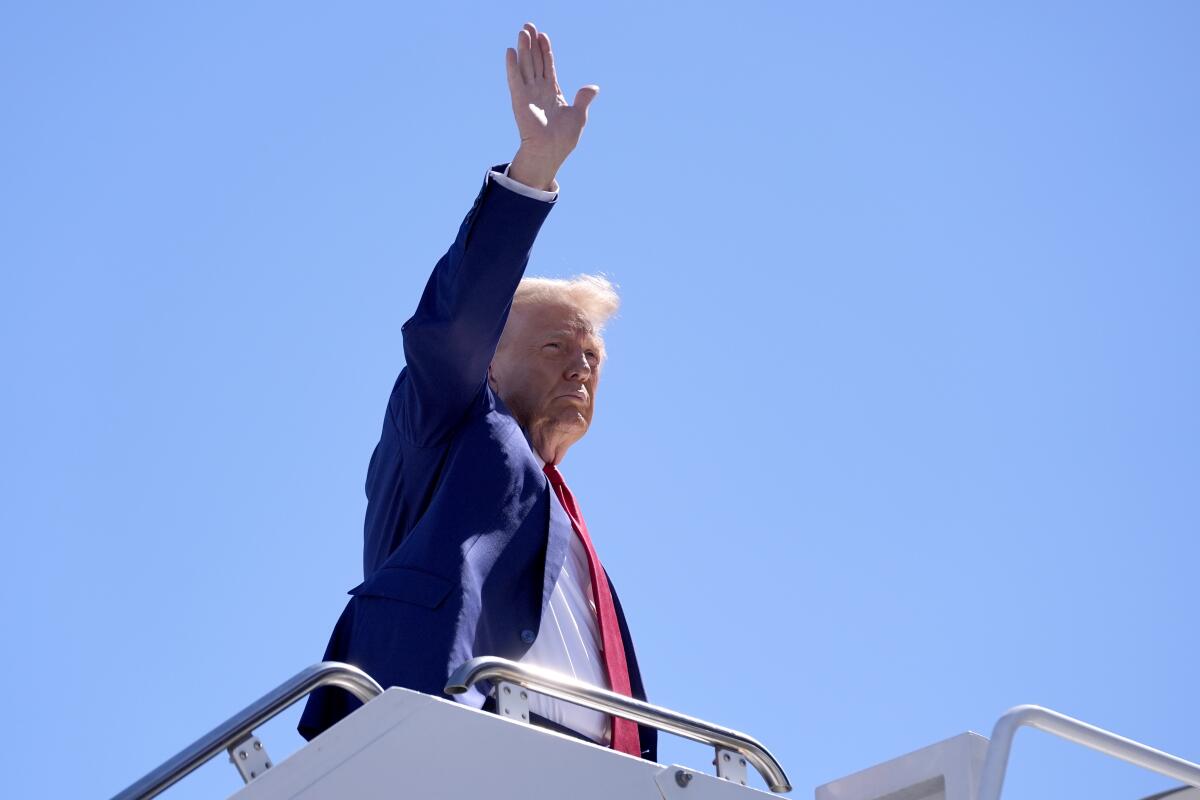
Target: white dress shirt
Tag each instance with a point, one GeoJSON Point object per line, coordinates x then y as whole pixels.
{"type": "Point", "coordinates": [568, 641]}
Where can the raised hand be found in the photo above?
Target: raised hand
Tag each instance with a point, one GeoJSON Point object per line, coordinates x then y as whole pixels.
{"type": "Point", "coordinates": [549, 127]}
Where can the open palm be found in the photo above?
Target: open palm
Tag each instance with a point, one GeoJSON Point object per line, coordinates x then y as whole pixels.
{"type": "Point", "coordinates": [548, 126]}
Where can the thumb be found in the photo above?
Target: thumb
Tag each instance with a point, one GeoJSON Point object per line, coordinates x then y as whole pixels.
{"type": "Point", "coordinates": [585, 96]}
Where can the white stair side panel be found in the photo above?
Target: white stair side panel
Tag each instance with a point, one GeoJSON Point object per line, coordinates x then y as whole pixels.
{"type": "Point", "coordinates": [948, 770]}
{"type": "Point", "coordinates": [407, 744]}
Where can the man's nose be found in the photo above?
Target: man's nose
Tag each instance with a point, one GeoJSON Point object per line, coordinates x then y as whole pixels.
{"type": "Point", "coordinates": [579, 369]}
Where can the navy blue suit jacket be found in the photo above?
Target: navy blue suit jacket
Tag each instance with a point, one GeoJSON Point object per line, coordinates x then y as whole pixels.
{"type": "Point", "coordinates": [463, 538]}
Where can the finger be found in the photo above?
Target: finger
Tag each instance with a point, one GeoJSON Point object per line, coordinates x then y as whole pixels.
{"type": "Point", "coordinates": [523, 57]}
{"type": "Point", "coordinates": [544, 52]}
{"type": "Point", "coordinates": [585, 96]}
{"type": "Point", "coordinates": [514, 71]}
{"type": "Point", "coordinates": [535, 51]}
{"type": "Point", "coordinates": [551, 72]}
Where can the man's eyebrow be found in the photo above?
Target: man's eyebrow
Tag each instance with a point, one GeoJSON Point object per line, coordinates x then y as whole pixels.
{"type": "Point", "coordinates": [570, 333]}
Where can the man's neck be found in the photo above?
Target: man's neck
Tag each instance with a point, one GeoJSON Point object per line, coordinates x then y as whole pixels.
{"type": "Point", "coordinates": [550, 444]}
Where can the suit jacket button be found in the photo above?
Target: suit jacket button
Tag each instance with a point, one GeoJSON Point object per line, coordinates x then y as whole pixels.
{"type": "Point", "coordinates": [527, 636]}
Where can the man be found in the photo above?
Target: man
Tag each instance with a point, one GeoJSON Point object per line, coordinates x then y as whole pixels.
{"type": "Point", "coordinates": [473, 543]}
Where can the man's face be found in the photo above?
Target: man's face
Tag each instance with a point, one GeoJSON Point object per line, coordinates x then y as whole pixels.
{"type": "Point", "coordinates": [546, 370]}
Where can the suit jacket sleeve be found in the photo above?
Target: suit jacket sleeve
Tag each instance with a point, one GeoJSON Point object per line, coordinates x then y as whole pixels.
{"type": "Point", "coordinates": [450, 340]}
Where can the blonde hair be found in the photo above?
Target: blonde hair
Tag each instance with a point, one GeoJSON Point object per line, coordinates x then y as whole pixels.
{"type": "Point", "coordinates": [594, 295]}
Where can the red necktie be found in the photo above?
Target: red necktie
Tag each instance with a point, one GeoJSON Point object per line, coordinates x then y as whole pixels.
{"type": "Point", "coordinates": [624, 732]}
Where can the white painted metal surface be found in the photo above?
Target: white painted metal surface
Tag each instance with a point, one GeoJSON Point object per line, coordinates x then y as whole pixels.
{"type": "Point", "coordinates": [407, 744]}
{"type": "Point", "coordinates": [948, 770]}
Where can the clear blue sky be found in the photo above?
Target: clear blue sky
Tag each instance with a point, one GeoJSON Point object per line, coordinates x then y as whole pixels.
{"type": "Point", "coordinates": [899, 429]}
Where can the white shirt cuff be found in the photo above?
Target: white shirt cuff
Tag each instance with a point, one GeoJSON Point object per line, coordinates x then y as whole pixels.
{"type": "Point", "coordinates": [516, 186]}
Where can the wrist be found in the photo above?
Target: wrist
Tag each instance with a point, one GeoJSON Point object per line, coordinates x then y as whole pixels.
{"type": "Point", "coordinates": [534, 169]}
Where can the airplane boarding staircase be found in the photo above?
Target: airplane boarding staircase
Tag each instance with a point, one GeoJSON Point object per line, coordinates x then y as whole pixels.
{"type": "Point", "coordinates": [406, 744]}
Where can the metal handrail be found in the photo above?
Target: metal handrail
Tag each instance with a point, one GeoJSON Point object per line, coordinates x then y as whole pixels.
{"type": "Point", "coordinates": [1073, 730]}
{"type": "Point", "coordinates": [241, 724]}
{"type": "Point", "coordinates": [557, 686]}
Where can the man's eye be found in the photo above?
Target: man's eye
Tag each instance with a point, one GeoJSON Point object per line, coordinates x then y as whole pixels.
{"type": "Point", "coordinates": [551, 344]}
{"type": "Point", "coordinates": [591, 354]}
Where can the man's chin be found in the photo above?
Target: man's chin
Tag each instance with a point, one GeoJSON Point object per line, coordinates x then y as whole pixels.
{"type": "Point", "coordinates": [565, 421]}
{"type": "Point", "coordinates": [572, 421]}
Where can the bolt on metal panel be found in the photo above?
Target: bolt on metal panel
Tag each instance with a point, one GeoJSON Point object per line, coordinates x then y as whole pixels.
{"type": "Point", "coordinates": [250, 757]}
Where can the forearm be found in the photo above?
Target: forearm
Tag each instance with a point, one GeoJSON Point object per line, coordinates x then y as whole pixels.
{"type": "Point", "coordinates": [450, 340]}
{"type": "Point", "coordinates": [475, 280]}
